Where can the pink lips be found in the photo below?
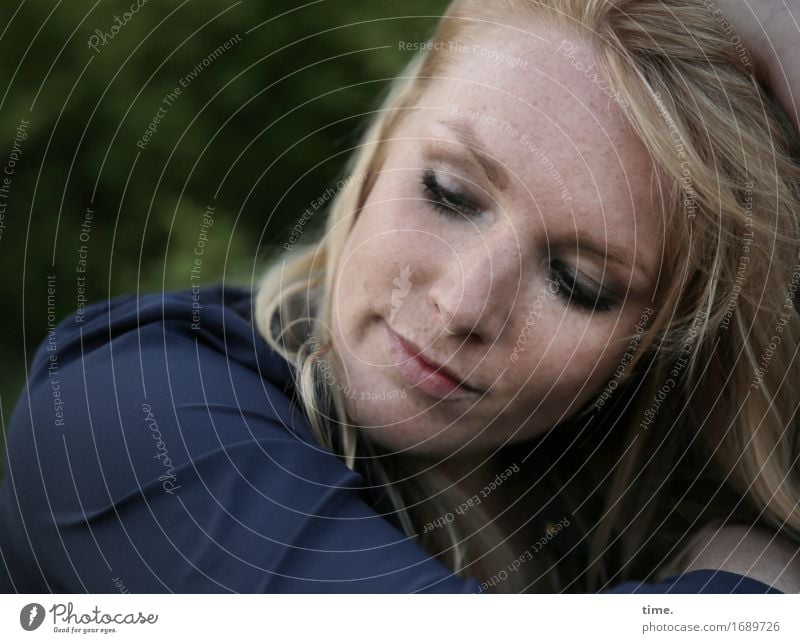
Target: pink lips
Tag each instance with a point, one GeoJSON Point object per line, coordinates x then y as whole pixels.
{"type": "Point", "coordinates": [421, 375]}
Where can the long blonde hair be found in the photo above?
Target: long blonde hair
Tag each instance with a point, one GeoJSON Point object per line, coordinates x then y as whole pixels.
{"type": "Point", "coordinates": [699, 426]}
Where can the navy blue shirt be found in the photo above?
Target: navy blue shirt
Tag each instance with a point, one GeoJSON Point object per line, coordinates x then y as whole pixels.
{"type": "Point", "coordinates": [157, 447]}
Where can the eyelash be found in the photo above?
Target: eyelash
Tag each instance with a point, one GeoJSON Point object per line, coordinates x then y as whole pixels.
{"type": "Point", "coordinates": [450, 204]}
{"type": "Point", "coordinates": [575, 292]}
{"type": "Point", "coordinates": [455, 205]}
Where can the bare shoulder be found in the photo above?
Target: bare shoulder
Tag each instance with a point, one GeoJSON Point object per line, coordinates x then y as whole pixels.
{"type": "Point", "coordinates": [743, 550]}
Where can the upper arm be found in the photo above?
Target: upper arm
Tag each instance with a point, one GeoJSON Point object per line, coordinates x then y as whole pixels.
{"type": "Point", "coordinates": [747, 551]}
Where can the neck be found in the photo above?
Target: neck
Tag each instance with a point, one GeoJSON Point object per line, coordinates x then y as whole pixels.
{"type": "Point", "coordinates": [480, 487]}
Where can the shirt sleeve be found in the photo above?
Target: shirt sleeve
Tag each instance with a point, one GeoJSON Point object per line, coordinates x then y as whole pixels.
{"type": "Point", "coordinates": [142, 459]}
{"type": "Point", "coordinates": [698, 581]}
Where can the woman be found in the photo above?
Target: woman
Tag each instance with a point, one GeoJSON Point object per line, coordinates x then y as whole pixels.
{"type": "Point", "coordinates": [546, 343]}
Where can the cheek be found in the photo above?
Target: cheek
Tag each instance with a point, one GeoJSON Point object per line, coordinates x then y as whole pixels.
{"type": "Point", "coordinates": [593, 364]}
{"type": "Point", "coordinates": [565, 362]}
{"type": "Point", "coordinates": [363, 260]}
{"type": "Point", "coordinates": [388, 257]}
{"type": "Point", "coordinates": [377, 242]}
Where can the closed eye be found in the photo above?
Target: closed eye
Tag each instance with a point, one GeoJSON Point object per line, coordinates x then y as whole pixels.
{"type": "Point", "coordinates": [454, 204]}
{"type": "Point", "coordinates": [574, 290]}
{"type": "Point", "coordinates": [445, 201]}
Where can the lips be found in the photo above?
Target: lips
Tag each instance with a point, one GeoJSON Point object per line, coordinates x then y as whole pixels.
{"type": "Point", "coordinates": [430, 378]}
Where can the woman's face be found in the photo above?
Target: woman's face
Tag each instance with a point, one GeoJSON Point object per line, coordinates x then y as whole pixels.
{"type": "Point", "coordinates": [512, 237]}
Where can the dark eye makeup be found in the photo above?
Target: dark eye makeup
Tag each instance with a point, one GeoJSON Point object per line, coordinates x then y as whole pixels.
{"type": "Point", "coordinates": [454, 204]}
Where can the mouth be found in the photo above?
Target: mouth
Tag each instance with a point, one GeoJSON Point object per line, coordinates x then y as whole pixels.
{"type": "Point", "coordinates": [424, 375]}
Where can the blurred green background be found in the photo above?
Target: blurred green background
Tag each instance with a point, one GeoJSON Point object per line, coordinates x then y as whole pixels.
{"type": "Point", "coordinates": [259, 131]}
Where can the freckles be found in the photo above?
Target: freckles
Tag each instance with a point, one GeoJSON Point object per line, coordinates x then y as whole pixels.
{"type": "Point", "coordinates": [359, 262]}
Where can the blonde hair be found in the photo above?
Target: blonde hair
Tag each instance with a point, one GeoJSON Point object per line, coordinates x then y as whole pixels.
{"type": "Point", "coordinates": [700, 425]}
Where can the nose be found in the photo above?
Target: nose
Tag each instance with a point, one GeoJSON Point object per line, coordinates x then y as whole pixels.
{"type": "Point", "coordinates": [476, 291]}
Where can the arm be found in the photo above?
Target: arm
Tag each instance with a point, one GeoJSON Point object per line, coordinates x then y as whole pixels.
{"type": "Point", "coordinates": [726, 560]}
{"type": "Point", "coordinates": [746, 551]}
{"type": "Point", "coordinates": [208, 481]}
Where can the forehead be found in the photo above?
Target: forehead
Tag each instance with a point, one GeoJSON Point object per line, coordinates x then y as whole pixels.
{"type": "Point", "coordinates": [542, 107]}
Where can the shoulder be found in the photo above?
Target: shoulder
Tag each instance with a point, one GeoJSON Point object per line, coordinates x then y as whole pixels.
{"type": "Point", "coordinates": [138, 389]}
{"type": "Point", "coordinates": [180, 374]}
{"type": "Point", "coordinates": [726, 560]}
{"type": "Point", "coordinates": [182, 344]}
{"type": "Point", "coordinates": [747, 551]}
{"type": "Point", "coordinates": [188, 365]}
{"type": "Point", "coordinates": [175, 457]}
{"type": "Point", "coordinates": [696, 581]}
{"type": "Point", "coordinates": [216, 318]}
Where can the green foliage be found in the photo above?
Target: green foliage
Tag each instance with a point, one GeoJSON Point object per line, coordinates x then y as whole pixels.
{"type": "Point", "coordinates": [258, 133]}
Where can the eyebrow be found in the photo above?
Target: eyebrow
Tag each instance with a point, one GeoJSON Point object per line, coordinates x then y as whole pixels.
{"type": "Point", "coordinates": [468, 138]}
{"type": "Point", "coordinates": [498, 176]}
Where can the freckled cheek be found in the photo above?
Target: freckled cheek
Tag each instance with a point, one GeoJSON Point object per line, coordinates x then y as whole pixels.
{"type": "Point", "coordinates": [379, 252]}
{"type": "Point", "coordinates": [387, 229]}
{"type": "Point", "coordinates": [591, 366]}
{"type": "Point", "coordinates": [557, 356]}
{"type": "Point", "coordinates": [373, 263]}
